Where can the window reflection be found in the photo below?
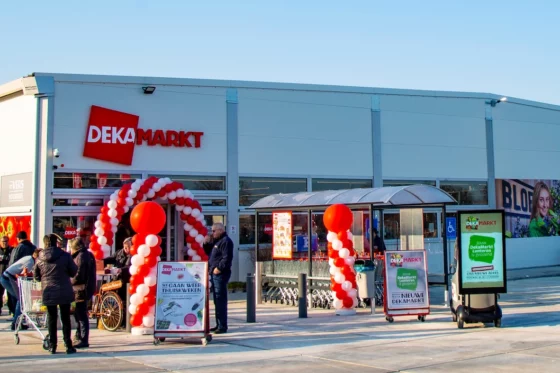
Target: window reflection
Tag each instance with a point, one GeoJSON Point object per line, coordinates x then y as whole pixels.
{"type": "Point", "coordinates": [252, 189]}
{"type": "Point", "coordinates": [467, 192]}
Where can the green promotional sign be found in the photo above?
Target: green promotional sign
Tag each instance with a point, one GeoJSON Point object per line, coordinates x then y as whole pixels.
{"type": "Point", "coordinates": [481, 255]}
{"type": "Point", "coordinates": [407, 278]}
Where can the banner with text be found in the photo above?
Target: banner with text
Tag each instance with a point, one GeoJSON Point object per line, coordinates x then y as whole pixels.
{"type": "Point", "coordinates": [406, 280]}
{"type": "Point", "coordinates": [181, 296]}
{"type": "Point", "coordinates": [532, 207]}
{"type": "Point", "coordinates": [282, 235]}
{"type": "Point", "coordinates": [481, 252]}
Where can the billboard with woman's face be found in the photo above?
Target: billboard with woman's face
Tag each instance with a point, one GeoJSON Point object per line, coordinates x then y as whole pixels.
{"type": "Point", "coordinates": [532, 207]}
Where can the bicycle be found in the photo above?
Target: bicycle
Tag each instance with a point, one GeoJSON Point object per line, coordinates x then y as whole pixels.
{"type": "Point", "coordinates": [108, 306]}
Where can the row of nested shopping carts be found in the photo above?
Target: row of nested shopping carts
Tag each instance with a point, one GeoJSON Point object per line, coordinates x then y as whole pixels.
{"type": "Point", "coordinates": [283, 289]}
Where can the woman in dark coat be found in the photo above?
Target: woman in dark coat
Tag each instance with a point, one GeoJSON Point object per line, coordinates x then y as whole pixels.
{"type": "Point", "coordinates": [84, 287]}
{"type": "Point", "coordinates": [54, 268]}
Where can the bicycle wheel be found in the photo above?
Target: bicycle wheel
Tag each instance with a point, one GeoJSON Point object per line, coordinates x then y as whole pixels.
{"type": "Point", "coordinates": [111, 311]}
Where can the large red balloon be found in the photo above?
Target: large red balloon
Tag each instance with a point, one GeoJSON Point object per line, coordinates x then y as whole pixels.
{"type": "Point", "coordinates": [148, 218]}
{"type": "Point", "coordinates": [338, 218]}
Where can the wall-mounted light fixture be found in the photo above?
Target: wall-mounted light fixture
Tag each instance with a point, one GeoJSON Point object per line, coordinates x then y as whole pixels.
{"type": "Point", "coordinates": [149, 90]}
{"type": "Point", "coordinates": [494, 102]}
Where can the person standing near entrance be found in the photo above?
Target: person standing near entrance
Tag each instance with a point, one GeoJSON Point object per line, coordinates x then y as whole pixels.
{"type": "Point", "coordinates": [5, 251]}
{"type": "Point", "coordinates": [219, 265]}
{"type": "Point", "coordinates": [84, 284]}
{"type": "Point", "coordinates": [55, 268]}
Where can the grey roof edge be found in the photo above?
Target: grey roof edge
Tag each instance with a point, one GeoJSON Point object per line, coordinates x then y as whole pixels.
{"type": "Point", "coordinates": [240, 84]}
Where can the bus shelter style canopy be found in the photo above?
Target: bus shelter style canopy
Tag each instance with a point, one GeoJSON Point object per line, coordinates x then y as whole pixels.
{"type": "Point", "coordinates": [409, 196]}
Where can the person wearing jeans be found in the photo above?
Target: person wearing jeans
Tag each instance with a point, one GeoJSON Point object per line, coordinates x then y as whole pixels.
{"type": "Point", "coordinates": [219, 266]}
{"type": "Point", "coordinates": [55, 268]}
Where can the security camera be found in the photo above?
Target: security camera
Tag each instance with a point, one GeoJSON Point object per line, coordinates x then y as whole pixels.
{"type": "Point", "coordinates": [56, 153]}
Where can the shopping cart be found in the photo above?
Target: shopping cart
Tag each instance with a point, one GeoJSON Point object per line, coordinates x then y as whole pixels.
{"type": "Point", "coordinates": [379, 270]}
{"type": "Point", "coordinates": [32, 309]}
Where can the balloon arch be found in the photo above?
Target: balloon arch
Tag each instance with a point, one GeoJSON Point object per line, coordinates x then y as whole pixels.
{"type": "Point", "coordinates": [121, 201]}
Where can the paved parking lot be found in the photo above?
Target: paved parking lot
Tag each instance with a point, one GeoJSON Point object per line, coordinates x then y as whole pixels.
{"type": "Point", "coordinates": [280, 342]}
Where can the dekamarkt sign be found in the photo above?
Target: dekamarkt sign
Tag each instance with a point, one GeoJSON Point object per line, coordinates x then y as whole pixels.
{"type": "Point", "coordinates": [482, 254]}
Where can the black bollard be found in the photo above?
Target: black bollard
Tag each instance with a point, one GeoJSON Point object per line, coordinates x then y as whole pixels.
{"type": "Point", "coordinates": [251, 299]}
{"type": "Point", "coordinates": [128, 326]}
{"type": "Point", "coordinates": [302, 300]}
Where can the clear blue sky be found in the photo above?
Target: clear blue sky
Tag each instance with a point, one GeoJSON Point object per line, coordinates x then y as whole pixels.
{"type": "Point", "coordinates": [502, 47]}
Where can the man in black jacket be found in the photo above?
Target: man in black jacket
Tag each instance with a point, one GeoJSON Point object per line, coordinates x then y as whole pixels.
{"type": "Point", "coordinates": [24, 248]}
{"type": "Point", "coordinates": [84, 284]}
{"type": "Point", "coordinates": [219, 266]}
{"type": "Point", "coordinates": [5, 251]}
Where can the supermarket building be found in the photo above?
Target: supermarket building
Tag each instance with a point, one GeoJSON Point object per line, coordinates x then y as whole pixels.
{"type": "Point", "coordinates": [71, 140]}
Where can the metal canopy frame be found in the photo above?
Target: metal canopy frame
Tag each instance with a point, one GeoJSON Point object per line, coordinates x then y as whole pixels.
{"type": "Point", "coordinates": [379, 199]}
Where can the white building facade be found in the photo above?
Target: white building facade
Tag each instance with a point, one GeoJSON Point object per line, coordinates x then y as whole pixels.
{"type": "Point", "coordinates": [233, 142]}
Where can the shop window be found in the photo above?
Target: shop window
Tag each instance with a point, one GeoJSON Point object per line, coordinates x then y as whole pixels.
{"type": "Point", "coordinates": [252, 189]}
{"type": "Point", "coordinates": [82, 225]}
{"type": "Point", "coordinates": [394, 183]}
{"type": "Point", "coordinates": [208, 202]}
{"type": "Point", "coordinates": [75, 180]}
{"type": "Point", "coordinates": [318, 185]}
{"type": "Point", "coordinates": [193, 182]}
{"type": "Point", "coordinates": [247, 229]}
{"type": "Point", "coordinates": [392, 231]}
{"type": "Point", "coordinates": [77, 202]}
{"type": "Point", "coordinates": [467, 192]}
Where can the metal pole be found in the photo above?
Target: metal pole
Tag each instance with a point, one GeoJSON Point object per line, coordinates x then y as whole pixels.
{"type": "Point", "coordinates": [370, 232]}
{"type": "Point", "coordinates": [445, 256]}
{"type": "Point", "coordinates": [310, 243]}
{"type": "Point", "coordinates": [258, 282]}
{"type": "Point", "coordinates": [251, 300]}
{"type": "Point", "coordinates": [302, 300]}
{"type": "Point", "coordinates": [128, 326]}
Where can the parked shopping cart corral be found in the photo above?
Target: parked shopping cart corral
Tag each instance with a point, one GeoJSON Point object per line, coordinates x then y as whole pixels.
{"type": "Point", "coordinates": [379, 270]}
{"type": "Point", "coordinates": [284, 290]}
{"type": "Point", "coordinates": [32, 309]}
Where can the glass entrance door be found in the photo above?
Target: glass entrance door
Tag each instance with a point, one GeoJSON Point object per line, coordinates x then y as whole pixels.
{"type": "Point", "coordinates": [179, 249]}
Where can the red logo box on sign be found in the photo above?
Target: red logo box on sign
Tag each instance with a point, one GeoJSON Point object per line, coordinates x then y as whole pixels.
{"type": "Point", "coordinates": [111, 135]}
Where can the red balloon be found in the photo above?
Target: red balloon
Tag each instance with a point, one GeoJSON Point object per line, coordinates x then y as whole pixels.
{"type": "Point", "coordinates": [98, 255]}
{"type": "Point", "coordinates": [347, 302]}
{"type": "Point", "coordinates": [341, 294]}
{"type": "Point", "coordinates": [156, 251]}
{"type": "Point", "coordinates": [339, 262]}
{"type": "Point", "coordinates": [180, 201]}
{"type": "Point", "coordinates": [110, 240]}
{"type": "Point", "coordinates": [150, 301]}
{"type": "Point", "coordinates": [148, 217]}
{"type": "Point", "coordinates": [143, 271]}
{"type": "Point", "coordinates": [159, 241]}
{"type": "Point", "coordinates": [190, 239]}
{"type": "Point", "coordinates": [136, 319]}
{"type": "Point", "coordinates": [136, 279]}
{"type": "Point", "coordinates": [338, 218]}
{"type": "Point", "coordinates": [183, 216]}
{"type": "Point", "coordinates": [142, 309]}
{"type": "Point", "coordinates": [150, 261]}
{"type": "Point", "coordinates": [104, 210]}
{"type": "Point", "coordinates": [132, 288]}
{"type": "Point", "coordinates": [333, 254]}
{"type": "Point", "coordinates": [348, 244]}
{"type": "Point", "coordinates": [139, 196]}
{"type": "Point", "coordinates": [153, 290]}
{"type": "Point", "coordinates": [133, 250]}
{"type": "Point", "coordinates": [336, 286]}
{"type": "Point", "coordinates": [342, 236]}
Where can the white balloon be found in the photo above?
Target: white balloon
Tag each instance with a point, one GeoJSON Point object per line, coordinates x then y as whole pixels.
{"type": "Point", "coordinates": [148, 321]}
{"type": "Point", "coordinates": [113, 197]}
{"type": "Point", "coordinates": [346, 286]}
{"type": "Point", "coordinates": [343, 253]}
{"type": "Point", "coordinates": [159, 259]}
{"type": "Point", "coordinates": [144, 250]}
{"type": "Point", "coordinates": [132, 193]}
{"type": "Point", "coordinates": [193, 232]}
{"type": "Point", "coordinates": [136, 299]}
{"type": "Point", "coordinates": [134, 187]}
{"type": "Point", "coordinates": [106, 248]}
{"type": "Point", "coordinates": [196, 258]}
{"type": "Point", "coordinates": [200, 217]}
{"type": "Point", "coordinates": [180, 193]}
{"type": "Point", "coordinates": [333, 295]}
{"type": "Point", "coordinates": [339, 278]}
{"type": "Point", "coordinates": [199, 238]}
{"type": "Point", "coordinates": [337, 244]}
{"type": "Point", "coordinates": [126, 209]}
{"type": "Point", "coordinates": [188, 193]}
{"type": "Point", "coordinates": [191, 252]}
{"type": "Point", "coordinates": [129, 201]}
{"type": "Point", "coordinates": [195, 213]}
{"type": "Point", "coordinates": [133, 309]}
{"type": "Point", "coordinates": [152, 310]}
{"type": "Point", "coordinates": [164, 197]}
{"type": "Point", "coordinates": [102, 240]}
{"type": "Point", "coordinates": [112, 213]}
{"type": "Point", "coordinates": [99, 216]}
{"type": "Point", "coordinates": [150, 193]}
{"type": "Point", "coordinates": [144, 198]}
{"type": "Point", "coordinates": [151, 240]}
{"type": "Point", "coordinates": [352, 293]}
{"type": "Point", "coordinates": [331, 262]}
{"type": "Point", "coordinates": [99, 232]}
{"type": "Point", "coordinates": [97, 224]}
{"type": "Point", "coordinates": [167, 180]}
{"type": "Point", "coordinates": [142, 290]}
{"type": "Point", "coordinates": [137, 260]}
{"type": "Point", "coordinates": [114, 229]}
{"type": "Point", "coordinates": [187, 227]}
{"type": "Point", "coordinates": [153, 272]}
{"type": "Point", "coordinates": [133, 270]}
{"type": "Point", "coordinates": [187, 210]}
{"type": "Point", "coordinates": [331, 236]}
{"type": "Point", "coordinates": [333, 270]}
{"type": "Point", "coordinates": [150, 280]}
{"type": "Point", "coordinates": [349, 235]}
{"type": "Point", "coordinates": [114, 221]}
{"type": "Point", "coordinates": [179, 208]}
{"type": "Point", "coordinates": [156, 187]}
{"type": "Point", "coordinates": [172, 195]}
{"type": "Point", "coordinates": [350, 260]}
{"type": "Point", "coordinates": [112, 204]}
{"type": "Point", "coordinates": [337, 304]}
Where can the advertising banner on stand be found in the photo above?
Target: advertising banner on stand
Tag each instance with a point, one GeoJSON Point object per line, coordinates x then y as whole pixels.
{"type": "Point", "coordinates": [181, 297]}
{"type": "Point", "coordinates": [482, 259]}
{"type": "Point", "coordinates": [406, 280]}
{"type": "Point", "coordinates": [282, 235]}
